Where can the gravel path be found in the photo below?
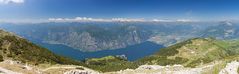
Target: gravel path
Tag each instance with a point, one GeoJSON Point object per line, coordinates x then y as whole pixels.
{"type": "Point", "coordinates": [5, 71]}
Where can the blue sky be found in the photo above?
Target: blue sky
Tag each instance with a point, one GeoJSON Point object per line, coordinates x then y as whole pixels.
{"type": "Point", "coordinates": [148, 9]}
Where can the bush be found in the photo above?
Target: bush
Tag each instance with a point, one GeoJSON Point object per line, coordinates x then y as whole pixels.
{"type": "Point", "coordinates": [1, 58]}
{"type": "Point", "coordinates": [110, 63]}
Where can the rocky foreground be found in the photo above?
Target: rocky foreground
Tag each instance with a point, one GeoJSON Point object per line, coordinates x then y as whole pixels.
{"type": "Point", "coordinates": [16, 67]}
{"type": "Point", "coordinates": [230, 68]}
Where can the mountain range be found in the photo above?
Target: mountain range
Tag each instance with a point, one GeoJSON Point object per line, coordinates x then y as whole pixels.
{"type": "Point", "coordinates": [97, 36]}
{"type": "Point", "coordinates": [192, 53]}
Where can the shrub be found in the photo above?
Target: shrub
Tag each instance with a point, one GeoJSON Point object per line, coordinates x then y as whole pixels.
{"type": "Point", "coordinates": [1, 58]}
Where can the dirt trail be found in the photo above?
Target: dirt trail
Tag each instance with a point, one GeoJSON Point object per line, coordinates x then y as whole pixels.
{"type": "Point", "coordinates": [5, 71]}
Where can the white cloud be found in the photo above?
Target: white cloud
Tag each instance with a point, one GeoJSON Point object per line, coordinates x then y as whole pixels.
{"type": "Point", "coordinates": [85, 19]}
{"type": "Point", "coordinates": [186, 20]}
{"type": "Point", "coordinates": [128, 20]}
{"type": "Point", "coordinates": [11, 1]}
{"type": "Point", "coordinates": [175, 20]}
{"type": "Point", "coordinates": [162, 20]}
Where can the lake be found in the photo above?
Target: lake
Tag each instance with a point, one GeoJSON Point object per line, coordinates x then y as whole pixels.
{"type": "Point", "coordinates": [132, 53]}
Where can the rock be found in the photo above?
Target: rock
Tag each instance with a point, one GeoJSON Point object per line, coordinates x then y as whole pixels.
{"type": "Point", "coordinates": [80, 72]}
{"type": "Point", "coordinates": [231, 68]}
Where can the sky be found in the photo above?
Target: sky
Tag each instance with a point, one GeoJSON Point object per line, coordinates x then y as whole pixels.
{"type": "Point", "coordinates": [36, 10]}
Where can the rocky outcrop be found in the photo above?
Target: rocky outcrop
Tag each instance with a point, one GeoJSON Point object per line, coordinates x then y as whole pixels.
{"type": "Point", "coordinates": [231, 68]}
{"type": "Point", "coordinates": [80, 72]}
{"type": "Point", "coordinates": [156, 69]}
{"type": "Point", "coordinates": [169, 69]}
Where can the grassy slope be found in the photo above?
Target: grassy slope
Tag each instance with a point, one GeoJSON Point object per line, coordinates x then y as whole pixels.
{"type": "Point", "coordinates": [193, 52]}
{"type": "Point", "coordinates": [16, 48]}
{"type": "Point", "coordinates": [190, 53]}
{"type": "Point", "coordinates": [109, 63]}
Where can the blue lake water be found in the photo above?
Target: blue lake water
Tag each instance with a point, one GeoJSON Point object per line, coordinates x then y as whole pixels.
{"type": "Point", "coordinates": [132, 53]}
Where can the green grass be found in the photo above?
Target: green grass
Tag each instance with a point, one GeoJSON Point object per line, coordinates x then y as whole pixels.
{"type": "Point", "coordinates": [16, 48]}
{"type": "Point", "coordinates": [208, 51]}
{"type": "Point", "coordinates": [1, 58]}
{"type": "Point", "coordinates": [109, 63]}
{"type": "Point", "coordinates": [238, 70]}
{"type": "Point", "coordinates": [171, 50]}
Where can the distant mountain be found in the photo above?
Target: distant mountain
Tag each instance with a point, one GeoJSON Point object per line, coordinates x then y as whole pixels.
{"type": "Point", "coordinates": [13, 47]}
{"type": "Point", "coordinates": [96, 36]}
{"type": "Point", "coordinates": [85, 37]}
{"type": "Point", "coordinates": [224, 30]}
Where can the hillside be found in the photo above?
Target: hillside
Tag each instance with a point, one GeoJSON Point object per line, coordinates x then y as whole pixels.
{"type": "Point", "coordinates": [16, 48]}
{"type": "Point", "coordinates": [193, 56]}
{"type": "Point", "coordinates": [194, 52]}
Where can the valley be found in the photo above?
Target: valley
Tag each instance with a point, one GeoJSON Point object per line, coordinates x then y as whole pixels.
{"type": "Point", "coordinates": [190, 56]}
{"type": "Point", "coordinates": [119, 37]}
{"type": "Point", "coordinates": [129, 52]}
{"type": "Point", "coordinates": [81, 40]}
{"type": "Point", "coordinates": [97, 36]}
